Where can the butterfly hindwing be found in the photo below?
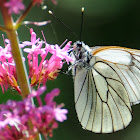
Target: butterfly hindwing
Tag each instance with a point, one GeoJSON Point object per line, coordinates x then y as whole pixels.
{"type": "Point", "coordinates": [100, 106]}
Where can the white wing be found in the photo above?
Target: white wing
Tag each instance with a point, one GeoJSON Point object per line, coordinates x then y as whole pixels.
{"type": "Point", "coordinates": [104, 94]}
{"type": "Point", "coordinates": [126, 62]}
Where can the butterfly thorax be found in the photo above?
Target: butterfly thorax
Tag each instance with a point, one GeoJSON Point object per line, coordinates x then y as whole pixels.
{"type": "Point", "coordinates": [81, 55]}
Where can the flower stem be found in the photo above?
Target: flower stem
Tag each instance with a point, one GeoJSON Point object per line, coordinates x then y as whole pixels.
{"type": "Point", "coordinates": [2, 28]}
{"type": "Point", "coordinates": [16, 52]}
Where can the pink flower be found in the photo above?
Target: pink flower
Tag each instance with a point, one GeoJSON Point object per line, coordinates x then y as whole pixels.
{"type": "Point", "coordinates": [60, 114]}
{"type": "Point", "coordinates": [16, 115]}
{"type": "Point", "coordinates": [61, 53]}
{"type": "Point", "coordinates": [33, 41]}
{"type": "Point", "coordinates": [54, 2]}
{"type": "Point", "coordinates": [49, 97]}
{"type": "Point", "coordinates": [11, 133]}
{"type": "Point", "coordinates": [46, 69]}
{"type": "Point", "coordinates": [41, 69]}
{"type": "Point", "coordinates": [14, 6]}
{"type": "Point", "coordinates": [8, 76]}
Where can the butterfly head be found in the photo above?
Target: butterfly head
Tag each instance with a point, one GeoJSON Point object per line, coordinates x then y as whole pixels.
{"type": "Point", "coordinates": [80, 49]}
{"type": "Point", "coordinates": [81, 54]}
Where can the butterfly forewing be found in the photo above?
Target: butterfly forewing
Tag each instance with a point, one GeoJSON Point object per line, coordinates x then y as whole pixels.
{"type": "Point", "coordinates": [127, 66]}
{"type": "Point", "coordinates": [105, 91]}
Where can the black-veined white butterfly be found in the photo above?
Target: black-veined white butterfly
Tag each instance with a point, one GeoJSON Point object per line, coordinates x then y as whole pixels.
{"type": "Point", "coordinates": [106, 84]}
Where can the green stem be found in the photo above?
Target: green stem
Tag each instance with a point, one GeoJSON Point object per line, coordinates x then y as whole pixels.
{"type": "Point", "coordinates": [2, 28]}
{"type": "Point", "coordinates": [16, 52]}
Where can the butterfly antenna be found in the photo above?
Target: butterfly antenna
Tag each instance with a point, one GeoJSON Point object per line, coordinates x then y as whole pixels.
{"type": "Point", "coordinates": [81, 24]}
{"type": "Point", "coordinates": [51, 13]}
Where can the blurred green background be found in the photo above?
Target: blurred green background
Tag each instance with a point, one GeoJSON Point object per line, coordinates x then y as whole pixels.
{"type": "Point", "coordinates": [106, 22]}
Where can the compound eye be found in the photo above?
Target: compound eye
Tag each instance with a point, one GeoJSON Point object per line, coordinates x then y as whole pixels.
{"type": "Point", "coordinates": [79, 45]}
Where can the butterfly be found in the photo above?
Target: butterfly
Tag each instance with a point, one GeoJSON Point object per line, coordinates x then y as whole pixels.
{"type": "Point", "coordinates": [106, 85]}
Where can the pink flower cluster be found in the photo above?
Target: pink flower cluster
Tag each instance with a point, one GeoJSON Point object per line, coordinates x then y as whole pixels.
{"type": "Point", "coordinates": [8, 76]}
{"type": "Point", "coordinates": [14, 6]}
{"type": "Point", "coordinates": [39, 71]}
{"type": "Point", "coordinates": [22, 119]}
{"type": "Point", "coordinates": [15, 116]}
